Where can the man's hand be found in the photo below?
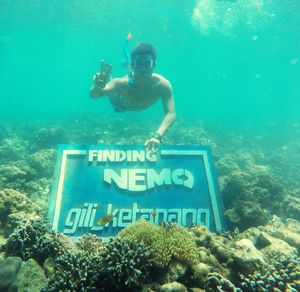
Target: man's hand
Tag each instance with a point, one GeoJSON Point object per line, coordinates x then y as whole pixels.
{"type": "Point", "coordinates": [151, 144]}
{"type": "Point", "coordinates": [101, 78]}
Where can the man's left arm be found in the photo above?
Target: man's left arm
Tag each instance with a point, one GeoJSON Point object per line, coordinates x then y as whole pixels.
{"type": "Point", "coordinates": [169, 118]}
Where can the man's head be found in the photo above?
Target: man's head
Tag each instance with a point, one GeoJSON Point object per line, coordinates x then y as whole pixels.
{"type": "Point", "coordinates": [143, 58]}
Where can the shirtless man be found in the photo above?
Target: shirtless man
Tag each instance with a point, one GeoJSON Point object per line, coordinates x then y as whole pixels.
{"type": "Point", "coordinates": [138, 90]}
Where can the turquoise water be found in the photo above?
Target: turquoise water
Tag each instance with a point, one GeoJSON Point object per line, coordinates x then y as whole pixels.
{"type": "Point", "coordinates": [230, 62]}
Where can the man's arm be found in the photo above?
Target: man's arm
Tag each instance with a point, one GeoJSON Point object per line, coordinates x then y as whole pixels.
{"type": "Point", "coordinates": [169, 118]}
{"type": "Point", "coordinates": [169, 109]}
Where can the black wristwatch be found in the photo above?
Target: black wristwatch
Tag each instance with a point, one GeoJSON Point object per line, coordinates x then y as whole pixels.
{"type": "Point", "coordinates": [157, 136]}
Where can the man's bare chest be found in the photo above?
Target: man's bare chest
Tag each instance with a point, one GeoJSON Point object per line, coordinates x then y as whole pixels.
{"type": "Point", "coordinates": [138, 98]}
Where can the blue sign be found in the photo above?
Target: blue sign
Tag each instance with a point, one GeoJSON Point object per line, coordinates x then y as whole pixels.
{"type": "Point", "coordinates": [101, 189]}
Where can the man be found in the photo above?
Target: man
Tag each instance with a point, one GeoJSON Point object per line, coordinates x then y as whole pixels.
{"type": "Point", "coordinates": [138, 90]}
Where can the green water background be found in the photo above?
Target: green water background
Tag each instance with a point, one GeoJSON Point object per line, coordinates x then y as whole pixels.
{"type": "Point", "coordinates": [234, 63]}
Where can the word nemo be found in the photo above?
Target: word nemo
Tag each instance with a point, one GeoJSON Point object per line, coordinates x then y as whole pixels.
{"type": "Point", "coordinates": [137, 180]}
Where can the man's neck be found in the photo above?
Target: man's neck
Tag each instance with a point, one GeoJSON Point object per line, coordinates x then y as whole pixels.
{"type": "Point", "coordinates": [142, 81]}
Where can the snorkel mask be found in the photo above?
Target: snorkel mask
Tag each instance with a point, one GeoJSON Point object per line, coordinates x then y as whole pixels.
{"type": "Point", "coordinates": [143, 63]}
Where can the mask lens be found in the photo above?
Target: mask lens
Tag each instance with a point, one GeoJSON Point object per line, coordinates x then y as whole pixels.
{"type": "Point", "coordinates": [143, 64]}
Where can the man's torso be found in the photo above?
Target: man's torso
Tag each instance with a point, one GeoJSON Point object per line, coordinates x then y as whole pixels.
{"type": "Point", "coordinates": [138, 96]}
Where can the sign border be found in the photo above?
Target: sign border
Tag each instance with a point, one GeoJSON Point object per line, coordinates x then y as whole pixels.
{"type": "Point", "coordinates": [64, 150]}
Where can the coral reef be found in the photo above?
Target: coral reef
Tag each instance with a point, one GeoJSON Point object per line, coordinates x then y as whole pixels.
{"type": "Point", "coordinates": [167, 243]}
{"type": "Point", "coordinates": [49, 137]}
{"type": "Point", "coordinates": [283, 275]}
{"type": "Point", "coordinates": [250, 200]}
{"type": "Point", "coordinates": [43, 162]}
{"type": "Point", "coordinates": [31, 239]}
{"type": "Point", "coordinates": [153, 236]}
{"type": "Point", "coordinates": [216, 282]}
{"type": "Point", "coordinates": [125, 264]}
{"type": "Point", "coordinates": [14, 206]}
{"type": "Point", "coordinates": [12, 149]}
{"type": "Point", "coordinates": [90, 243]}
{"type": "Point", "coordinates": [291, 207]}
{"type": "Point", "coordinates": [74, 272]}
{"type": "Point", "coordinates": [10, 172]}
{"type": "Point", "coordinates": [258, 180]}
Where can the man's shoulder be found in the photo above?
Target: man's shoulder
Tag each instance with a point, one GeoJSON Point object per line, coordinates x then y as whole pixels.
{"type": "Point", "coordinates": [120, 80]}
{"type": "Point", "coordinates": [161, 81]}
{"type": "Point", "coordinates": [162, 84]}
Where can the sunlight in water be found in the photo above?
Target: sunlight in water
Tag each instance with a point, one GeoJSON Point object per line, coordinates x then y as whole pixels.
{"type": "Point", "coordinates": [224, 16]}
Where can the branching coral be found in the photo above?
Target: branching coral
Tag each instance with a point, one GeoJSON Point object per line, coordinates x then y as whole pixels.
{"type": "Point", "coordinates": [74, 272]}
{"type": "Point", "coordinates": [125, 264]}
{"type": "Point", "coordinates": [31, 239]}
{"type": "Point", "coordinates": [284, 275]}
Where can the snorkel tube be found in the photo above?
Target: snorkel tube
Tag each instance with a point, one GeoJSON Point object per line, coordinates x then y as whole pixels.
{"type": "Point", "coordinates": [131, 81]}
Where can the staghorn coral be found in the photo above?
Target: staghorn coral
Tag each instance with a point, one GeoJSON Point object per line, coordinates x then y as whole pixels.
{"type": "Point", "coordinates": [125, 264]}
{"type": "Point", "coordinates": [31, 239]}
{"type": "Point", "coordinates": [167, 243]}
{"type": "Point", "coordinates": [283, 275]}
{"type": "Point", "coordinates": [74, 272]}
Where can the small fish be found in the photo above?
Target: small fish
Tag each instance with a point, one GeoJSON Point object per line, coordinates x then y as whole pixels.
{"type": "Point", "coordinates": [105, 219]}
{"type": "Point", "coordinates": [154, 213]}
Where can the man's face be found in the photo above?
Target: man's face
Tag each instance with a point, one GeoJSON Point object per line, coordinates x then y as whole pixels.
{"type": "Point", "coordinates": [143, 65]}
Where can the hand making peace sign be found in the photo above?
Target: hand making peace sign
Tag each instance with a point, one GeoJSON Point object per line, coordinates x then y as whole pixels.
{"type": "Point", "coordinates": [101, 78]}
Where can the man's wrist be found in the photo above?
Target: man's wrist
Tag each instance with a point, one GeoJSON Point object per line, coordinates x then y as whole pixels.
{"type": "Point", "coordinates": [157, 136]}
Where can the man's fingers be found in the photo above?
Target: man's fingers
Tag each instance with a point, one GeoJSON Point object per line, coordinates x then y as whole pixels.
{"type": "Point", "coordinates": [108, 71]}
{"type": "Point", "coordinates": [102, 66]}
{"type": "Point", "coordinates": [151, 146]}
{"type": "Point", "coordinates": [96, 77]}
